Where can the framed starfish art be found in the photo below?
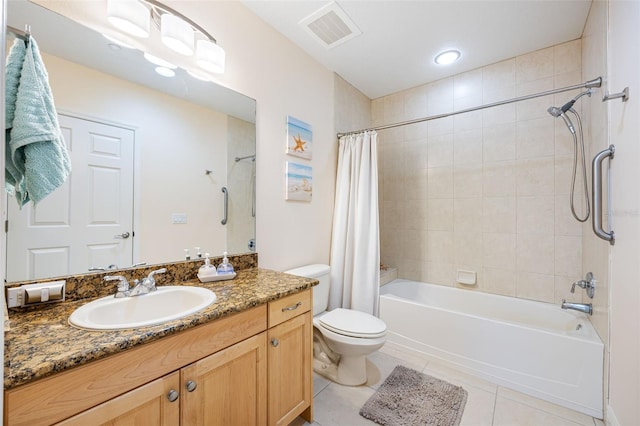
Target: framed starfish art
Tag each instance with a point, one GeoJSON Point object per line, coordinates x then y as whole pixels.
{"type": "Point", "coordinates": [299, 138]}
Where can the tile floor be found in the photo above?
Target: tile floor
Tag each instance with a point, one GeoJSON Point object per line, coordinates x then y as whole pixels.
{"type": "Point", "coordinates": [487, 404]}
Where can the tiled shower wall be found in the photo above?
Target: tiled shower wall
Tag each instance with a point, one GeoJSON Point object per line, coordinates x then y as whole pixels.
{"type": "Point", "coordinates": [486, 191]}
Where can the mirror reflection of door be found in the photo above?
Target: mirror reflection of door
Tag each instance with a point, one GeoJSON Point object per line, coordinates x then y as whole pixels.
{"type": "Point", "coordinates": [88, 221]}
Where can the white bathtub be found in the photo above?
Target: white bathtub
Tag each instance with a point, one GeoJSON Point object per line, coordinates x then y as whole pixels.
{"type": "Point", "coordinates": [533, 347]}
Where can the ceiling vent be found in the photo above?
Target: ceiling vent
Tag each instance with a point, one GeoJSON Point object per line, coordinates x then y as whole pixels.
{"type": "Point", "coordinates": [330, 25]}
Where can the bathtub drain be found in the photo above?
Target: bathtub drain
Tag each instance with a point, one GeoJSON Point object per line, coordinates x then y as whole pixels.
{"type": "Point", "coordinates": [578, 327]}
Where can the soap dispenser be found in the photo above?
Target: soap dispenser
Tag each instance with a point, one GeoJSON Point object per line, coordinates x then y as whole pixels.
{"type": "Point", "coordinates": [207, 272]}
{"type": "Point", "coordinates": [225, 268]}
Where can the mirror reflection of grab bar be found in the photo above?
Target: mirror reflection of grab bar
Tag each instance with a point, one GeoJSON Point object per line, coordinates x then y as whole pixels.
{"type": "Point", "coordinates": [596, 192]}
{"type": "Point", "coordinates": [226, 205]}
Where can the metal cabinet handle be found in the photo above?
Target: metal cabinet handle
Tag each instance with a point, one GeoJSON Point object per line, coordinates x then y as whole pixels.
{"type": "Point", "coordinates": [226, 205]}
{"type": "Point", "coordinates": [292, 307]}
{"type": "Point", "coordinates": [173, 395]}
{"type": "Point", "coordinates": [123, 236]}
{"type": "Point", "coordinates": [596, 193]}
{"type": "Point", "coordinates": [274, 342]}
{"type": "Point", "coordinates": [191, 386]}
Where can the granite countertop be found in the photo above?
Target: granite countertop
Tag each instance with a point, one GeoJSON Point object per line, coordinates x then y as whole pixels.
{"type": "Point", "coordinates": [41, 342]}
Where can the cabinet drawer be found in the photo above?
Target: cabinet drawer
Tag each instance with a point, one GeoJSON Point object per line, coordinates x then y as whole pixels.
{"type": "Point", "coordinates": [288, 307]}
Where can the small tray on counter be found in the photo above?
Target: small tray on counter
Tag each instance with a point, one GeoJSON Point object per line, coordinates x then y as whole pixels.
{"type": "Point", "coordinates": [222, 277]}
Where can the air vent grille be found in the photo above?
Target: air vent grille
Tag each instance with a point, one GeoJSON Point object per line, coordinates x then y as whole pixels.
{"type": "Point", "coordinates": [331, 26]}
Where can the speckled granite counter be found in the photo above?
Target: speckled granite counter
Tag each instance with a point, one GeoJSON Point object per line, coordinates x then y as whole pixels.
{"type": "Point", "coordinates": [41, 342]}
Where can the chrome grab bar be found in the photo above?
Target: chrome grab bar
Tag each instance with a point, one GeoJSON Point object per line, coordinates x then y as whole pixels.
{"type": "Point", "coordinates": [596, 193]}
{"type": "Point", "coordinates": [226, 205]}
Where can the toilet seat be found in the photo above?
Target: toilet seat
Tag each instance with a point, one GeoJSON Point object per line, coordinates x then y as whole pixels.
{"type": "Point", "coordinates": [352, 323]}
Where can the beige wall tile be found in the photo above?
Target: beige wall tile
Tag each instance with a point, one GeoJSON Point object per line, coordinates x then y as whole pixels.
{"type": "Point", "coordinates": [440, 214]}
{"type": "Point", "coordinates": [564, 222]}
{"type": "Point", "coordinates": [440, 150]}
{"type": "Point", "coordinates": [499, 179]}
{"type": "Point", "coordinates": [467, 147]}
{"type": "Point", "coordinates": [536, 214]}
{"type": "Point", "coordinates": [439, 273]}
{"type": "Point", "coordinates": [537, 107]}
{"type": "Point", "coordinates": [535, 253]}
{"type": "Point", "coordinates": [440, 182]}
{"type": "Point", "coordinates": [535, 176]}
{"type": "Point", "coordinates": [534, 138]}
{"type": "Point", "coordinates": [468, 248]}
{"type": "Point", "coordinates": [467, 180]}
{"type": "Point", "coordinates": [416, 152]}
{"type": "Point", "coordinates": [467, 214]}
{"type": "Point", "coordinates": [499, 214]}
{"type": "Point", "coordinates": [535, 286]}
{"type": "Point", "coordinates": [415, 103]}
{"type": "Point", "coordinates": [499, 142]}
{"type": "Point", "coordinates": [568, 57]}
{"type": "Point", "coordinates": [440, 246]}
{"type": "Point", "coordinates": [498, 76]}
{"type": "Point", "coordinates": [568, 256]}
{"type": "Point", "coordinates": [499, 251]}
{"type": "Point", "coordinates": [499, 281]}
{"type": "Point", "coordinates": [416, 185]}
{"type": "Point", "coordinates": [534, 65]}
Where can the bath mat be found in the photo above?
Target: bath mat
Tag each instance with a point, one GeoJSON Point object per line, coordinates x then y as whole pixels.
{"type": "Point", "coordinates": [408, 397]}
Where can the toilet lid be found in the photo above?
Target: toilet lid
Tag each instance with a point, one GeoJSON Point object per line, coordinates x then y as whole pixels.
{"type": "Point", "coordinates": [353, 323]}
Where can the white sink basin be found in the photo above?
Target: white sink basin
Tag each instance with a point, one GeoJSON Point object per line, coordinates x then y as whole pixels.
{"type": "Point", "coordinates": [167, 303]}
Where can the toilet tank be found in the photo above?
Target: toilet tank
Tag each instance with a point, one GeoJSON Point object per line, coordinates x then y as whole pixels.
{"type": "Point", "coordinates": [321, 291]}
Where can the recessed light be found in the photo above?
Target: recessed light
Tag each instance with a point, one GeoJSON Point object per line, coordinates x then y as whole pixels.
{"type": "Point", "coordinates": [159, 61]}
{"type": "Point", "coordinates": [165, 72]}
{"type": "Point", "coordinates": [447, 57]}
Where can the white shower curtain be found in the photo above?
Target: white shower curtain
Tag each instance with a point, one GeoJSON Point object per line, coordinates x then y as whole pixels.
{"type": "Point", "coordinates": [355, 242]}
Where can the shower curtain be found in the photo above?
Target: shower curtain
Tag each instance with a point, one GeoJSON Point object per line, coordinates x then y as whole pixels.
{"type": "Point", "coordinates": [355, 242]}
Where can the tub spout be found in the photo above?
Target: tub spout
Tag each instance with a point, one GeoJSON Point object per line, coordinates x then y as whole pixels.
{"type": "Point", "coordinates": [587, 308]}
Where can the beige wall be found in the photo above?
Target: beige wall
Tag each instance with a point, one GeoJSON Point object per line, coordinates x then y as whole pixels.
{"type": "Point", "coordinates": [486, 191]}
{"type": "Point", "coordinates": [596, 252]}
{"type": "Point", "coordinates": [284, 80]}
{"type": "Point", "coordinates": [623, 61]}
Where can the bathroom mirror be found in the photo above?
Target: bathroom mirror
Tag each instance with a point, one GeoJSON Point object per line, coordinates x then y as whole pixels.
{"type": "Point", "coordinates": [158, 171]}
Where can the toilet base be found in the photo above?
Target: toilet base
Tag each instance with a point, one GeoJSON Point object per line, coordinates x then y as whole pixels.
{"type": "Point", "coordinates": [350, 371]}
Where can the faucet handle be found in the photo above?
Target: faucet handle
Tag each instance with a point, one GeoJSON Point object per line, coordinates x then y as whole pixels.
{"type": "Point", "coordinates": [122, 281]}
{"type": "Point", "coordinates": [157, 271]}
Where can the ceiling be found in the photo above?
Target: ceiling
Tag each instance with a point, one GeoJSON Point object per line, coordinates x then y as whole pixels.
{"type": "Point", "coordinates": [399, 39]}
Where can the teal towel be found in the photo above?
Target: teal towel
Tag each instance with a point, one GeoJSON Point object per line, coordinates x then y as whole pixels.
{"type": "Point", "coordinates": [37, 157]}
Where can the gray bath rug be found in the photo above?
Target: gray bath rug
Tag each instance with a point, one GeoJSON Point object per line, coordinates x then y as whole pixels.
{"type": "Point", "coordinates": [408, 397]}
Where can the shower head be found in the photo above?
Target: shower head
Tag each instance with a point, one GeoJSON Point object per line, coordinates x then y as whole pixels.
{"type": "Point", "coordinates": [566, 107]}
{"type": "Point", "coordinates": [558, 112]}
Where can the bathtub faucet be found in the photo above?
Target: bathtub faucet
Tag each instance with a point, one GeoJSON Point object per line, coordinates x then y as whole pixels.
{"type": "Point", "coordinates": [587, 308]}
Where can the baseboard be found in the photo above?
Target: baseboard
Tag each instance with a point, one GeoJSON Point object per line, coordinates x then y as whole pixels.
{"type": "Point", "coordinates": [611, 419]}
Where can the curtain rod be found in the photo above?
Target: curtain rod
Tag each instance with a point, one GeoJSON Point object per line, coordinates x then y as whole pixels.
{"type": "Point", "coordinates": [596, 82]}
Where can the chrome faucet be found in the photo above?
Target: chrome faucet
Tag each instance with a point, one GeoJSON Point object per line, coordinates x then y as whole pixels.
{"type": "Point", "coordinates": [589, 284]}
{"type": "Point", "coordinates": [123, 285]}
{"type": "Point", "coordinates": [587, 308]}
{"type": "Point", "coordinates": [147, 285]}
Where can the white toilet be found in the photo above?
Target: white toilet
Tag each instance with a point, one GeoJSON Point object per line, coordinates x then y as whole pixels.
{"type": "Point", "coordinates": [342, 338]}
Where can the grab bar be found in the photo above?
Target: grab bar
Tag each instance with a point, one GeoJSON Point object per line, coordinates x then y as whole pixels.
{"type": "Point", "coordinates": [596, 193]}
{"type": "Point", "coordinates": [226, 205]}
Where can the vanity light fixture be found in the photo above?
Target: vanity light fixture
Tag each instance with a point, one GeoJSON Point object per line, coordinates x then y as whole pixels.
{"type": "Point", "coordinates": [177, 32]}
{"type": "Point", "coordinates": [159, 61]}
{"type": "Point", "coordinates": [129, 16]}
{"type": "Point", "coordinates": [447, 57]}
{"type": "Point", "coordinates": [165, 72]}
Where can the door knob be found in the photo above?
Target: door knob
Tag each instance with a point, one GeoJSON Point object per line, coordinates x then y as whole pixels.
{"type": "Point", "coordinates": [274, 342]}
{"type": "Point", "coordinates": [124, 235]}
{"type": "Point", "coordinates": [191, 386]}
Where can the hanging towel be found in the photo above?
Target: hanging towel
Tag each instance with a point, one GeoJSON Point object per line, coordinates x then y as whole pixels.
{"type": "Point", "coordinates": [37, 158]}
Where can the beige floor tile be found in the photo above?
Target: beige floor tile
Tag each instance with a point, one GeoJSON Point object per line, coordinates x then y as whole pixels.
{"type": "Point", "coordinates": [549, 407]}
{"type": "Point", "coordinates": [381, 364]}
{"type": "Point", "coordinates": [513, 413]}
{"type": "Point", "coordinates": [319, 383]}
{"type": "Point", "coordinates": [299, 421]}
{"type": "Point", "coordinates": [478, 411]}
{"type": "Point", "coordinates": [457, 377]}
{"type": "Point", "coordinates": [340, 405]}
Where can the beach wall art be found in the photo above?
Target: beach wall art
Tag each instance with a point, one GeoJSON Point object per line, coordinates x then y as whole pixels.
{"type": "Point", "coordinates": [299, 184]}
{"type": "Point", "coordinates": [299, 138]}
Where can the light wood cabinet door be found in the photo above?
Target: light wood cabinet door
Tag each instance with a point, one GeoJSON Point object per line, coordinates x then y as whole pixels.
{"type": "Point", "coordinates": [290, 370]}
{"type": "Point", "coordinates": [148, 405]}
{"type": "Point", "coordinates": [227, 388]}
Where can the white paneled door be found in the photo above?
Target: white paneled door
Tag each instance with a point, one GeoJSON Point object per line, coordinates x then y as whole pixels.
{"type": "Point", "coordinates": [88, 221]}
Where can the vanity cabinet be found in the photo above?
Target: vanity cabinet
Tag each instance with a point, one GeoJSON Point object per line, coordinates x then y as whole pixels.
{"type": "Point", "coordinates": [250, 368]}
{"type": "Point", "coordinates": [290, 357]}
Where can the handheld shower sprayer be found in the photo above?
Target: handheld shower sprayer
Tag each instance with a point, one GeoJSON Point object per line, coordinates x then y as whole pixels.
{"type": "Point", "coordinates": [578, 146]}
